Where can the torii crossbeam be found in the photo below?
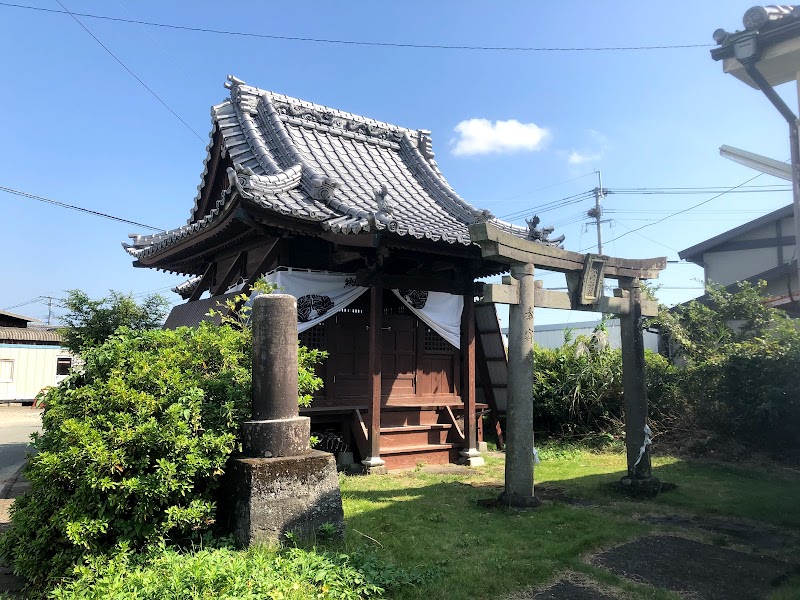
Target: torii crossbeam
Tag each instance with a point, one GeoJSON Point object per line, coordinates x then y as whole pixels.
{"type": "Point", "coordinates": [585, 274]}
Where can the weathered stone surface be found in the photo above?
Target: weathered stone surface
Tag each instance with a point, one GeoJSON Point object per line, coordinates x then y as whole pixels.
{"type": "Point", "coordinates": [273, 496]}
{"type": "Point", "coordinates": [519, 414]}
{"type": "Point", "coordinates": [279, 437]}
{"type": "Point", "coordinates": [274, 325]}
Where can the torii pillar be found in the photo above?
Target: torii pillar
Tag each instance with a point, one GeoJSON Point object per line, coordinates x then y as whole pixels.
{"type": "Point", "coordinates": [584, 273]}
{"type": "Point", "coordinates": [519, 409]}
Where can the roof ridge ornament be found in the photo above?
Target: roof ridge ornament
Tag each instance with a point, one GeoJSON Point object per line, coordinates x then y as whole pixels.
{"type": "Point", "coordinates": [425, 145]}
{"type": "Point", "coordinates": [382, 218]}
{"type": "Point", "coordinates": [535, 234]}
{"type": "Point", "coordinates": [384, 200]}
{"type": "Point", "coordinates": [323, 187]}
{"type": "Point", "coordinates": [322, 115]}
{"type": "Point", "coordinates": [232, 82]}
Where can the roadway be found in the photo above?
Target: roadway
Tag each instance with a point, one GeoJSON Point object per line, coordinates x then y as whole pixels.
{"type": "Point", "coordinates": [16, 425]}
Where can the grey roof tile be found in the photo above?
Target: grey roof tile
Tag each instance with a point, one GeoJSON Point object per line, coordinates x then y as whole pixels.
{"type": "Point", "coordinates": [271, 138]}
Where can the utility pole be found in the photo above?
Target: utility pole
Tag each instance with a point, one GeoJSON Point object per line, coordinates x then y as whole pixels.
{"type": "Point", "coordinates": [49, 307]}
{"type": "Point", "coordinates": [597, 212]}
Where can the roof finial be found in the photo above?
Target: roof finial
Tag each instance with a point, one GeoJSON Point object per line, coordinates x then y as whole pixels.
{"type": "Point", "coordinates": [233, 82]}
{"type": "Point", "coordinates": [541, 235]}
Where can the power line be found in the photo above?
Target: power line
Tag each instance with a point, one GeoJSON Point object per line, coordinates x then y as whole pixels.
{"type": "Point", "coordinates": [31, 301]}
{"type": "Point", "coordinates": [679, 212]}
{"type": "Point", "coordinates": [547, 187]}
{"type": "Point", "coordinates": [645, 237]}
{"type": "Point", "coordinates": [134, 75]}
{"type": "Point", "coordinates": [73, 207]}
{"type": "Point", "coordinates": [360, 42]}
{"type": "Point", "coordinates": [678, 192]}
{"type": "Point", "coordinates": [574, 199]}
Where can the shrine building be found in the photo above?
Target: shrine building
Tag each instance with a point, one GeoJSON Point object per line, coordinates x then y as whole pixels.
{"type": "Point", "coordinates": [353, 218]}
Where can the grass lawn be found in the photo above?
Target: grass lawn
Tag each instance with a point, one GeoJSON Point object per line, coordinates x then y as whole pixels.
{"type": "Point", "coordinates": [423, 534]}
{"type": "Point", "coordinates": [432, 520]}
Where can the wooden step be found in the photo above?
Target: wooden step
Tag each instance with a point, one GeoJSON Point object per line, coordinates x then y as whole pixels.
{"type": "Point", "coordinates": [414, 435]}
{"type": "Point", "coordinates": [410, 456]}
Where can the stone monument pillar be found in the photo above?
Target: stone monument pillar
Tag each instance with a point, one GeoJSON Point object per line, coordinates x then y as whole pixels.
{"type": "Point", "coordinates": [280, 485]}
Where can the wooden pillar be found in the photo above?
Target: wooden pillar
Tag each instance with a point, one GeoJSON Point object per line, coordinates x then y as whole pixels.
{"type": "Point", "coordinates": [373, 462]}
{"type": "Point", "coordinates": [637, 433]}
{"type": "Point", "coordinates": [470, 454]}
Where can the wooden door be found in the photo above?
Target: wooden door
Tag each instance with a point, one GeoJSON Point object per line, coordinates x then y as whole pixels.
{"type": "Point", "coordinates": [349, 357]}
{"type": "Point", "coordinates": [398, 359]}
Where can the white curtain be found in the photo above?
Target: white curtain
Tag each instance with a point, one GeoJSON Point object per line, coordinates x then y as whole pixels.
{"type": "Point", "coordinates": [320, 294]}
{"type": "Point", "coordinates": [439, 311]}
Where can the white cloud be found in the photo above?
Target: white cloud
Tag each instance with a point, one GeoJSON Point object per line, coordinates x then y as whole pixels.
{"type": "Point", "coordinates": [481, 136]}
{"type": "Point", "coordinates": [592, 152]}
{"type": "Point", "coordinates": [578, 158]}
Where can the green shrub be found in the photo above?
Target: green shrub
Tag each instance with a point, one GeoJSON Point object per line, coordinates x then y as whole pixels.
{"type": "Point", "coordinates": [739, 375]}
{"type": "Point", "coordinates": [134, 446]}
{"type": "Point", "coordinates": [577, 388]}
{"type": "Point", "coordinates": [256, 573]}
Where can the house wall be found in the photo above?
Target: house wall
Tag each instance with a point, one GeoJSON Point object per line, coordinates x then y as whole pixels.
{"type": "Point", "coordinates": [729, 264]}
{"type": "Point", "coordinates": [552, 336]}
{"type": "Point", "coordinates": [729, 267]}
{"type": "Point", "coordinates": [33, 368]}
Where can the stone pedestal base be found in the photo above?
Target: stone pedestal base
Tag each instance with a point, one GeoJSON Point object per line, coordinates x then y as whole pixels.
{"type": "Point", "coordinates": [273, 496]}
{"type": "Point", "coordinates": [375, 466]}
{"type": "Point", "coordinates": [516, 501]}
{"type": "Point", "coordinates": [471, 458]}
{"type": "Point", "coordinates": [647, 487]}
{"type": "Point", "coordinates": [276, 437]}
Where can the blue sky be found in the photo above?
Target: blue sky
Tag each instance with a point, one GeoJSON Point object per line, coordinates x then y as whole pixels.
{"type": "Point", "coordinates": [78, 128]}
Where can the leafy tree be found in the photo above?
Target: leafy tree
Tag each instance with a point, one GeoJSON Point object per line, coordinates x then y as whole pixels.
{"type": "Point", "coordinates": [88, 323]}
{"type": "Point", "coordinates": [703, 331]}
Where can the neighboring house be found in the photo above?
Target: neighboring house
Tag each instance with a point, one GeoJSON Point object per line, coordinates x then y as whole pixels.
{"type": "Point", "coordinates": [31, 358]}
{"type": "Point", "coordinates": [764, 248]}
{"type": "Point", "coordinates": [553, 336]}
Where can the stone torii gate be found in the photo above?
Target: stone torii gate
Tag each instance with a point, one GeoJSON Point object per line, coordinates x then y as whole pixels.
{"type": "Point", "coordinates": [585, 274]}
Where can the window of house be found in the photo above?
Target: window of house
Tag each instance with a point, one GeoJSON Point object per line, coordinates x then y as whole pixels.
{"type": "Point", "coordinates": [63, 365]}
{"type": "Point", "coordinates": [6, 370]}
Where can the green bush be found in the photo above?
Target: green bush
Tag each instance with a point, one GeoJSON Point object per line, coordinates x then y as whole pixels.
{"type": "Point", "coordinates": [577, 388]}
{"type": "Point", "coordinates": [739, 375]}
{"type": "Point", "coordinates": [134, 446]}
{"type": "Point", "coordinates": [256, 573]}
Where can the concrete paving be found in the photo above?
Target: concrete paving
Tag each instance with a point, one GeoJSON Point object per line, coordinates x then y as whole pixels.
{"type": "Point", "coordinates": [16, 425]}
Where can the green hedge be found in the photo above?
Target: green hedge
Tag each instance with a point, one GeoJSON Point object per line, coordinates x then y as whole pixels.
{"type": "Point", "coordinates": [133, 447]}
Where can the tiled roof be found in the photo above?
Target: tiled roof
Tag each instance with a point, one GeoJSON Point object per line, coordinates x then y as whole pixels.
{"type": "Point", "coordinates": [347, 173]}
{"type": "Point", "coordinates": [10, 315]}
{"type": "Point", "coordinates": [29, 334]}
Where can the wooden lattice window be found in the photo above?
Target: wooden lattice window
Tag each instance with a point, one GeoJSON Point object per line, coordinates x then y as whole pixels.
{"type": "Point", "coordinates": [436, 343]}
{"type": "Point", "coordinates": [359, 306]}
{"type": "Point", "coordinates": [315, 338]}
{"type": "Point", "coordinates": [392, 305]}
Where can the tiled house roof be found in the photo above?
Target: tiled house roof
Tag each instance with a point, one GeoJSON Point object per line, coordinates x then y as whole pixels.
{"type": "Point", "coordinates": [308, 162]}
